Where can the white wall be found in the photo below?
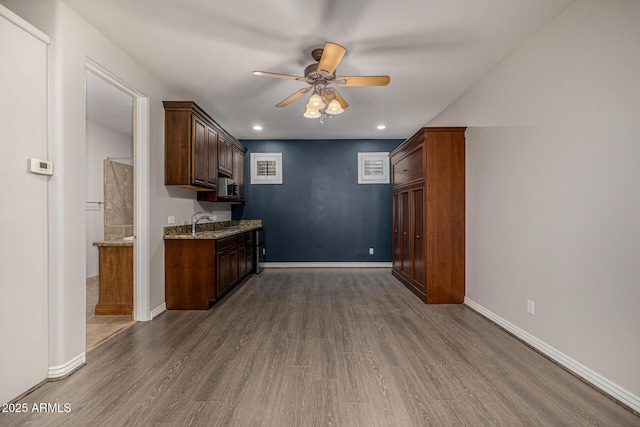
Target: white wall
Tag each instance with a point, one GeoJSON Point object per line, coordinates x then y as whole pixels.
{"type": "Point", "coordinates": [73, 40]}
{"type": "Point", "coordinates": [23, 217]}
{"type": "Point", "coordinates": [553, 206]}
{"type": "Point", "coordinates": [102, 142]}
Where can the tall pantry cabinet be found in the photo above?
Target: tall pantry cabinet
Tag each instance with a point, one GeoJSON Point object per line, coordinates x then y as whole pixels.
{"type": "Point", "coordinates": [428, 214]}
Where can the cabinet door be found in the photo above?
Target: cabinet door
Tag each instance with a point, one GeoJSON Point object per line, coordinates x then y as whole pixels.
{"type": "Point", "coordinates": [212, 158]}
{"type": "Point", "coordinates": [225, 157]}
{"type": "Point", "coordinates": [233, 261]}
{"type": "Point", "coordinates": [395, 238]}
{"type": "Point", "coordinates": [229, 161]}
{"type": "Point", "coordinates": [417, 236]}
{"type": "Point", "coordinates": [242, 260]}
{"type": "Point", "coordinates": [223, 262]}
{"type": "Point", "coordinates": [250, 250]}
{"type": "Point", "coordinates": [238, 170]}
{"type": "Point", "coordinates": [405, 238]}
{"type": "Point", "coordinates": [199, 152]}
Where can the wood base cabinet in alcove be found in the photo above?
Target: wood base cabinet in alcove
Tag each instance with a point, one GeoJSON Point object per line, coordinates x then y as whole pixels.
{"type": "Point", "coordinates": [428, 214]}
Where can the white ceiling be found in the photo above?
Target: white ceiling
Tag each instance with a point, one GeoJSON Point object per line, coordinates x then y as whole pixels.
{"type": "Point", "coordinates": [434, 50]}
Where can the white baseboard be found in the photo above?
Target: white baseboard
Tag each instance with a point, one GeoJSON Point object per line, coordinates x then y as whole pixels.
{"type": "Point", "coordinates": [158, 310]}
{"type": "Point", "coordinates": [61, 371]}
{"type": "Point", "coordinates": [622, 395]}
{"type": "Point", "coordinates": [326, 265]}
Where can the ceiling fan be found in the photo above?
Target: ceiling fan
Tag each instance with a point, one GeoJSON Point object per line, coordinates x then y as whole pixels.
{"type": "Point", "coordinates": [320, 76]}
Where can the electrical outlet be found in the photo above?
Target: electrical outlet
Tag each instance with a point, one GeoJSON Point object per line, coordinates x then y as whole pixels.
{"type": "Point", "coordinates": [530, 307]}
{"type": "Point", "coordinates": [370, 251]}
{"type": "Point", "coordinates": [171, 220]}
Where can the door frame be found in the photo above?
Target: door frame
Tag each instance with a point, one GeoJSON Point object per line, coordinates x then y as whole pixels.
{"type": "Point", "coordinates": [141, 158]}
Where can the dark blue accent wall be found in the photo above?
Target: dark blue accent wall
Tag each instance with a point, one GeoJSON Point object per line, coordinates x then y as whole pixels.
{"type": "Point", "coordinates": [320, 213]}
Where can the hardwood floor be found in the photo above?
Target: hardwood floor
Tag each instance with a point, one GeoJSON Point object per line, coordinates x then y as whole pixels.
{"type": "Point", "coordinates": [316, 347]}
{"type": "Point", "coordinates": [101, 328]}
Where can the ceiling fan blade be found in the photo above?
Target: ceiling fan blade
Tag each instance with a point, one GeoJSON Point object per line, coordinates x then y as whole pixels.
{"type": "Point", "coordinates": [293, 97]}
{"type": "Point", "coordinates": [277, 75]}
{"type": "Point", "coordinates": [339, 97]}
{"type": "Point", "coordinates": [331, 57]}
{"type": "Point", "coordinates": [363, 81]}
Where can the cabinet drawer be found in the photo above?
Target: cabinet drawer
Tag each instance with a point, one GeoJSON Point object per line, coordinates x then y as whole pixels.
{"type": "Point", "coordinates": [227, 242]}
{"type": "Point", "coordinates": [409, 168]}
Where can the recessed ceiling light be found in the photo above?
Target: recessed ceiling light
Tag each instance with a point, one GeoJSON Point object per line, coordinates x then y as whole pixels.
{"type": "Point", "coordinates": [381, 127]}
{"type": "Point", "coordinates": [257, 127]}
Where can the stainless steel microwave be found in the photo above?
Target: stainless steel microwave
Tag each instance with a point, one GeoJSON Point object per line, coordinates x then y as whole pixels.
{"type": "Point", "coordinates": [227, 188]}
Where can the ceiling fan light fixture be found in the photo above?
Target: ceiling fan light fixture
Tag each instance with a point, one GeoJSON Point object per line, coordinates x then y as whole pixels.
{"type": "Point", "coordinates": [315, 102]}
{"type": "Point", "coordinates": [312, 113]}
{"type": "Point", "coordinates": [320, 76]}
{"type": "Point", "coordinates": [335, 107]}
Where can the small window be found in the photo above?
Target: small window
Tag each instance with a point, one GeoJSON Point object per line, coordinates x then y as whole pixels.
{"type": "Point", "coordinates": [373, 168]}
{"type": "Point", "coordinates": [266, 168]}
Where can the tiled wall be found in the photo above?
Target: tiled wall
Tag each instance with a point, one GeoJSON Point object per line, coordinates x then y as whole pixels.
{"type": "Point", "coordinates": [118, 200]}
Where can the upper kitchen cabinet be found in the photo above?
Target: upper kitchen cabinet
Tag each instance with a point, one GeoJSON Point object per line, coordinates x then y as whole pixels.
{"type": "Point", "coordinates": [238, 170]}
{"type": "Point", "coordinates": [197, 149]}
{"type": "Point", "coordinates": [225, 157]}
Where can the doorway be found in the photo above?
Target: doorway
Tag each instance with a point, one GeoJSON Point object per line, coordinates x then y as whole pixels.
{"type": "Point", "coordinates": [109, 204]}
{"type": "Point", "coordinates": [117, 195]}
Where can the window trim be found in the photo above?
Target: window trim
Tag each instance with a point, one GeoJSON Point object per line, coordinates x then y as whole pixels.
{"type": "Point", "coordinates": [255, 158]}
{"type": "Point", "coordinates": [363, 157]}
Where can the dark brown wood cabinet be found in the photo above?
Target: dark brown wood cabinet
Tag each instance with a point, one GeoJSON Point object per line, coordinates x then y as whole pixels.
{"type": "Point", "coordinates": [239, 171]}
{"type": "Point", "coordinates": [198, 151]}
{"type": "Point", "coordinates": [191, 147]}
{"type": "Point", "coordinates": [242, 255]}
{"type": "Point", "coordinates": [190, 271]}
{"type": "Point", "coordinates": [249, 260]}
{"type": "Point", "coordinates": [225, 157]}
{"type": "Point", "coordinates": [428, 214]}
{"type": "Point", "coordinates": [198, 272]}
{"type": "Point", "coordinates": [227, 263]}
{"type": "Point", "coordinates": [212, 158]}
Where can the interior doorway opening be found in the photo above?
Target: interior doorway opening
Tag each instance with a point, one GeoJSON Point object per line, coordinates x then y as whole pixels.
{"type": "Point", "coordinates": [108, 209]}
{"type": "Point", "coordinates": [116, 208]}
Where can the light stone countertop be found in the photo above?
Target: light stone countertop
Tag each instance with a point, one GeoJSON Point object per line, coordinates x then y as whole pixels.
{"type": "Point", "coordinates": [212, 230]}
{"type": "Point", "coordinates": [118, 242]}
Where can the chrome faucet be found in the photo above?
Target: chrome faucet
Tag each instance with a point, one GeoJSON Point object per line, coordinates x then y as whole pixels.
{"type": "Point", "coordinates": [197, 217]}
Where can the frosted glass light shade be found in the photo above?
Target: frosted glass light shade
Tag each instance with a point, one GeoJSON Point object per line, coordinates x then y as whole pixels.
{"type": "Point", "coordinates": [311, 113]}
{"type": "Point", "coordinates": [315, 102]}
{"type": "Point", "coordinates": [335, 107]}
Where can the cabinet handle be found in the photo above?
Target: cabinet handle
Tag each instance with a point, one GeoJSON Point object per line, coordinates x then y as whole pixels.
{"type": "Point", "coordinates": [405, 170]}
{"type": "Point", "coordinates": [405, 233]}
{"type": "Point", "coordinates": [395, 231]}
{"type": "Point", "coordinates": [417, 236]}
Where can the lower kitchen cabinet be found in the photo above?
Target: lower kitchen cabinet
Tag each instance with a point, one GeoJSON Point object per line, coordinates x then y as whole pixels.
{"type": "Point", "coordinates": [190, 269]}
{"type": "Point", "coordinates": [198, 272]}
{"type": "Point", "coordinates": [227, 263]}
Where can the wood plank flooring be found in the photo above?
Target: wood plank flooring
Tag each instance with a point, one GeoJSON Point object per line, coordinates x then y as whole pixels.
{"type": "Point", "coordinates": [317, 347]}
